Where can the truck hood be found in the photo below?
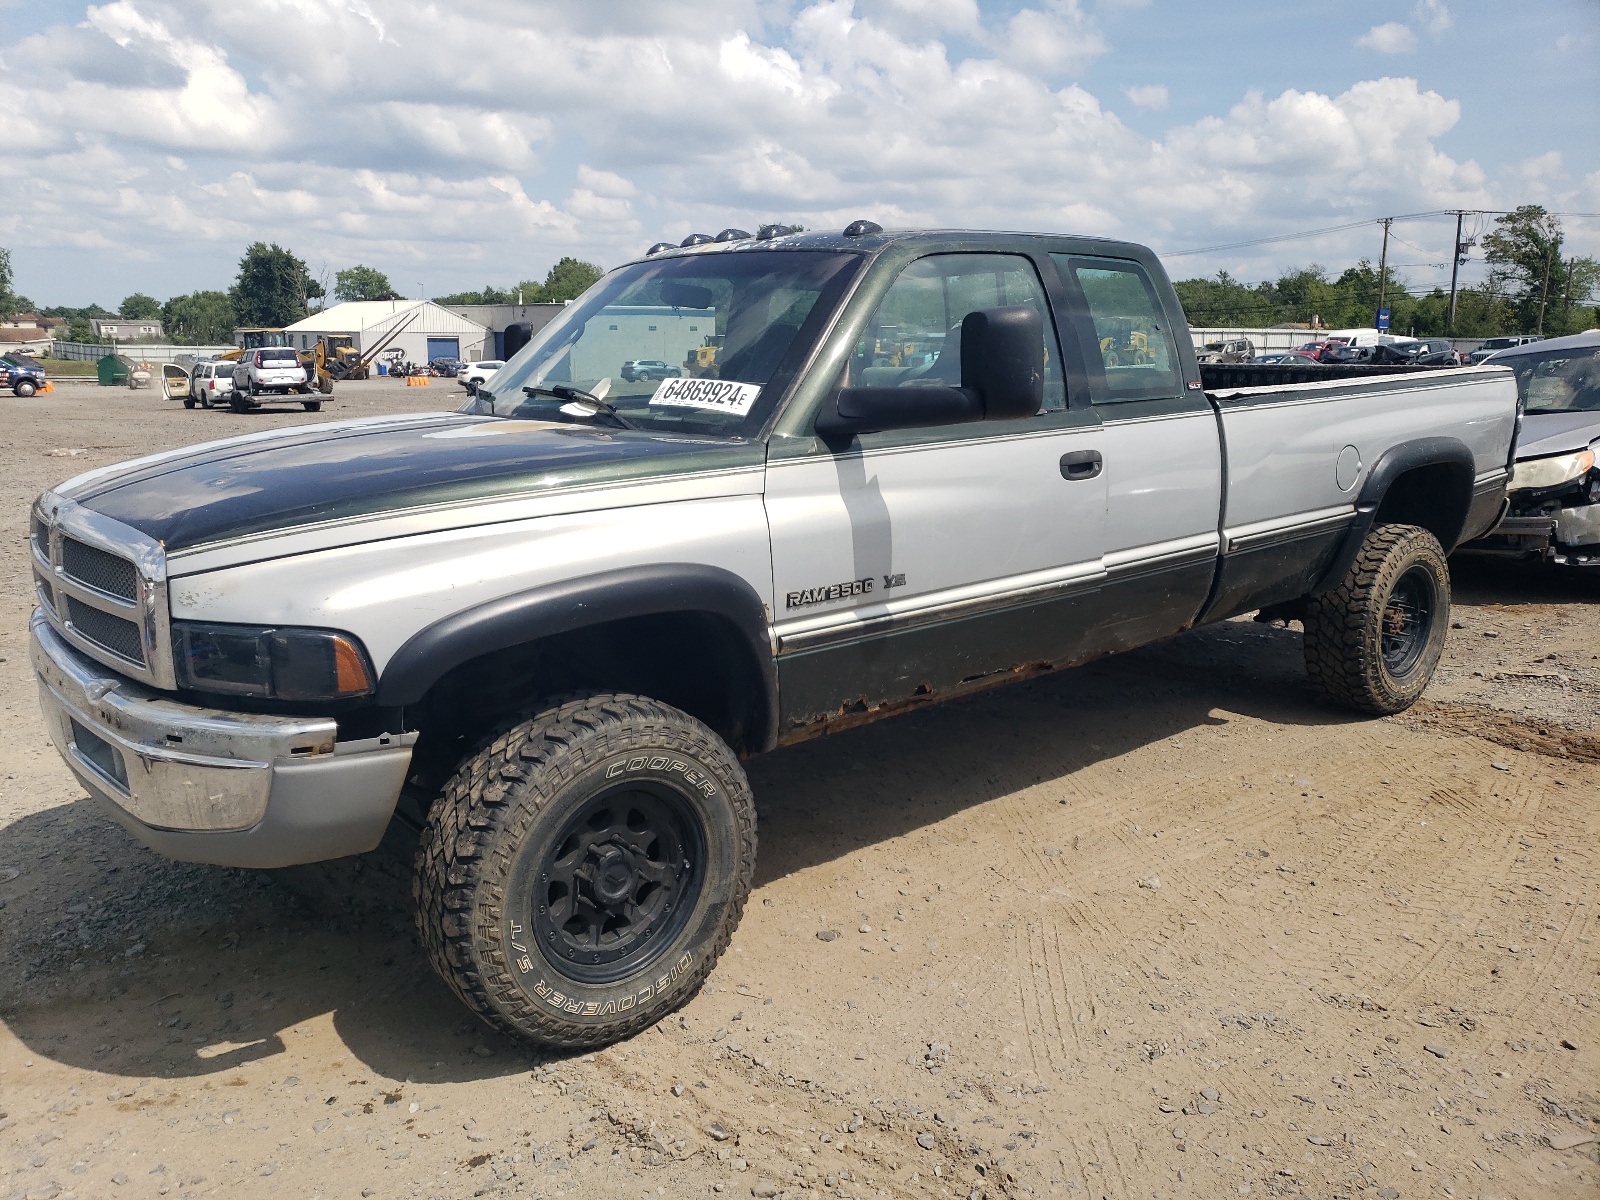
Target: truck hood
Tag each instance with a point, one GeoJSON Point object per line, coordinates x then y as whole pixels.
{"type": "Point", "coordinates": [1544, 434]}
{"type": "Point", "coordinates": [319, 473]}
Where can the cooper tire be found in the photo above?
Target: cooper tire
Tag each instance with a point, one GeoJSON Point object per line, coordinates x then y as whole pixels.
{"type": "Point", "coordinates": [25, 389]}
{"type": "Point", "coordinates": [1373, 642]}
{"type": "Point", "coordinates": [580, 875]}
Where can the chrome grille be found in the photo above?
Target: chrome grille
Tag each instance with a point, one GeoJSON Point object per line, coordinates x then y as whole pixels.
{"type": "Point", "coordinates": [47, 594]}
{"type": "Point", "coordinates": [95, 568]}
{"type": "Point", "coordinates": [109, 632]}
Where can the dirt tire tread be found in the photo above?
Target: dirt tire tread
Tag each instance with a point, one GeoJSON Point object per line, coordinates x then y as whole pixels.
{"type": "Point", "coordinates": [1342, 645]}
{"type": "Point", "coordinates": [520, 767]}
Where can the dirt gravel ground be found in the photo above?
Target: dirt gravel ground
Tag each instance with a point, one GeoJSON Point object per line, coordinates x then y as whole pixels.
{"type": "Point", "coordinates": [1160, 926]}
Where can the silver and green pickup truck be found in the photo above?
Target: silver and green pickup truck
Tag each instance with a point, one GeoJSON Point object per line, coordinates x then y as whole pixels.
{"type": "Point", "coordinates": [544, 631]}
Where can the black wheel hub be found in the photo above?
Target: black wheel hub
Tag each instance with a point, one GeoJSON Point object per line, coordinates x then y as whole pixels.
{"type": "Point", "coordinates": [617, 883]}
{"type": "Point", "coordinates": [1408, 620]}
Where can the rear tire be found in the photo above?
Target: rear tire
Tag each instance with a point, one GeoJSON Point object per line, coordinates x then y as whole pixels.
{"type": "Point", "coordinates": [1373, 642]}
{"type": "Point", "coordinates": [580, 875]}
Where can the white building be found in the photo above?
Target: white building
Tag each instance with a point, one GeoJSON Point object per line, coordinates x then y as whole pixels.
{"type": "Point", "coordinates": [422, 329]}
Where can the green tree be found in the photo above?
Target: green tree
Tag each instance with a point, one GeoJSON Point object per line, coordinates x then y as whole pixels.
{"type": "Point", "coordinates": [199, 319]}
{"type": "Point", "coordinates": [139, 307]}
{"type": "Point", "coordinates": [362, 283]}
{"type": "Point", "coordinates": [567, 280]}
{"type": "Point", "coordinates": [1546, 291]}
{"type": "Point", "coordinates": [273, 287]}
{"type": "Point", "coordinates": [8, 298]}
{"type": "Point", "coordinates": [489, 295]}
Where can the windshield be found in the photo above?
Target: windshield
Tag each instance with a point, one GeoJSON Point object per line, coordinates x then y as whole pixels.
{"type": "Point", "coordinates": [1559, 381]}
{"type": "Point", "coordinates": [679, 345]}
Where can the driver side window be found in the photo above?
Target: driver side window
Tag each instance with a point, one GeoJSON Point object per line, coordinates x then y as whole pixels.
{"type": "Point", "coordinates": [914, 338]}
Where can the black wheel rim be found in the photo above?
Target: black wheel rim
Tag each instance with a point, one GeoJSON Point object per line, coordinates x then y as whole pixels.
{"type": "Point", "coordinates": [1408, 620]}
{"type": "Point", "coordinates": [617, 884]}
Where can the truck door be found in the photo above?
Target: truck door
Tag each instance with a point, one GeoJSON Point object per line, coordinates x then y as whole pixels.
{"type": "Point", "coordinates": [1163, 452]}
{"type": "Point", "coordinates": [914, 563]}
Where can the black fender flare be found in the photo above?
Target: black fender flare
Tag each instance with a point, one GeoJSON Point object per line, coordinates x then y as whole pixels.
{"type": "Point", "coordinates": [578, 603]}
{"type": "Point", "coordinates": [1394, 462]}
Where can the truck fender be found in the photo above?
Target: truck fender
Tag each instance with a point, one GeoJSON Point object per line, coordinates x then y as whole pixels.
{"type": "Point", "coordinates": [578, 603]}
{"type": "Point", "coordinates": [1449, 453]}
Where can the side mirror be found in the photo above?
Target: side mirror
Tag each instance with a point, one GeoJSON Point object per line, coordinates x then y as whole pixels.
{"type": "Point", "coordinates": [1002, 358]}
{"type": "Point", "coordinates": [1002, 379]}
{"type": "Point", "coordinates": [518, 334]}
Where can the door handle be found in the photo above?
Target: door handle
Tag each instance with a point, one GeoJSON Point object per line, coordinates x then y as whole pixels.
{"type": "Point", "coordinates": [1081, 464]}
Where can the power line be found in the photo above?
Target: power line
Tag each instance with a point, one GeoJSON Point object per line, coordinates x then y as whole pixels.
{"type": "Point", "coordinates": [1311, 233]}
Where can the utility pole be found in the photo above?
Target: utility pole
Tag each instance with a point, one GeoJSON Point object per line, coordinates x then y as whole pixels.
{"type": "Point", "coordinates": [1383, 265]}
{"type": "Point", "coordinates": [1566, 296]}
{"type": "Point", "coordinates": [1544, 293]}
{"type": "Point", "coordinates": [1455, 267]}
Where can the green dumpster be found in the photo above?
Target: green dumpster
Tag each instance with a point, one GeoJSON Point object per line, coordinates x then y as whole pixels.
{"type": "Point", "coordinates": [113, 370]}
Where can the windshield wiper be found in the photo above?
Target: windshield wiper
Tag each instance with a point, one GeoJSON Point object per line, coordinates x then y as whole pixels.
{"type": "Point", "coordinates": [578, 396]}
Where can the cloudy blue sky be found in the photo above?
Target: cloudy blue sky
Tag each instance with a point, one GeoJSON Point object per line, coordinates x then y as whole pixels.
{"type": "Point", "coordinates": [147, 141]}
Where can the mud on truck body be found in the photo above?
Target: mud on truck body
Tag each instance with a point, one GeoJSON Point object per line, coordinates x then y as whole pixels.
{"type": "Point", "coordinates": [545, 630]}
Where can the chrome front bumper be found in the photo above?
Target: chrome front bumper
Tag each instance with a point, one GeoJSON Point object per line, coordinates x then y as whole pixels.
{"type": "Point", "coordinates": [1568, 536]}
{"type": "Point", "coordinates": [1578, 536]}
{"type": "Point", "coordinates": [205, 785]}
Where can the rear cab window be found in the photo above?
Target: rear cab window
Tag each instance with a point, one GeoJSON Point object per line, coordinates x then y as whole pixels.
{"type": "Point", "coordinates": [1123, 320]}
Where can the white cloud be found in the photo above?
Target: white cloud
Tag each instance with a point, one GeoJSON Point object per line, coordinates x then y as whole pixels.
{"type": "Point", "coordinates": [1389, 38]}
{"type": "Point", "coordinates": [1434, 15]}
{"type": "Point", "coordinates": [1057, 40]}
{"type": "Point", "coordinates": [174, 126]}
{"type": "Point", "coordinates": [1152, 96]}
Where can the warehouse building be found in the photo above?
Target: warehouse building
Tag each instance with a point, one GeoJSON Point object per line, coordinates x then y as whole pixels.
{"type": "Point", "coordinates": [495, 318]}
{"type": "Point", "coordinates": [422, 329]}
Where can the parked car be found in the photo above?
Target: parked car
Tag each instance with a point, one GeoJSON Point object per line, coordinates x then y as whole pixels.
{"type": "Point", "coordinates": [213, 383]}
{"type": "Point", "coordinates": [21, 374]}
{"type": "Point", "coordinates": [1288, 358]}
{"type": "Point", "coordinates": [1496, 344]}
{"type": "Point", "coordinates": [1435, 352]}
{"type": "Point", "coordinates": [547, 630]}
{"type": "Point", "coordinates": [1234, 350]}
{"type": "Point", "coordinates": [1554, 497]}
{"type": "Point", "coordinates": [474, 373]}
{"type": "Point", "coordinates": [636, 369]}
{"type": "Point", "coordinates": [1324, 351]}
{"type": "Point", "coordinates": [444, 368]}
{"type": "Point", "coordinates": [270, 371]}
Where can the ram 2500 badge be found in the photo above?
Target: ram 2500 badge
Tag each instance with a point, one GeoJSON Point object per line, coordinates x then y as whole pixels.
{"type": "Point", "coordinates": [544, 631]}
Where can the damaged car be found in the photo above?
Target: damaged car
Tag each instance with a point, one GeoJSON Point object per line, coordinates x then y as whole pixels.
{"type": "Point", "coordinates": [1553, 502]}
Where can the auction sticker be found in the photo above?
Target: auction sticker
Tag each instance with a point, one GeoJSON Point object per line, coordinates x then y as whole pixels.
{"type": "Point", "coordinates": [722, 395]}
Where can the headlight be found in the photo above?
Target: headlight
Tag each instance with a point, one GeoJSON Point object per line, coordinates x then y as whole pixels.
{"type": "Point", "coordinates": [275, 664]}
{"type": "Point", "coordinates": [1549, 472]}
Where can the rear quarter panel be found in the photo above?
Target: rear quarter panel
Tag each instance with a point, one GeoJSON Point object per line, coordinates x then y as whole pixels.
{"type": "Point", "coordinates": [1284, 444]}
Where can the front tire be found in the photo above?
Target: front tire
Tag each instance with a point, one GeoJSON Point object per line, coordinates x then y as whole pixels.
{"type": "Point", "coordinates": [1373, 642]}
{"type": "Point", "coordinates": [580, 875]}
